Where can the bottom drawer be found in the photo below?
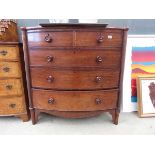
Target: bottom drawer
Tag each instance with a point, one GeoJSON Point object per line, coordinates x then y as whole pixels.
{"type": "Point", "coordinates": [14, 105]}
{"type": "Point", "coordinates": [74, 100]}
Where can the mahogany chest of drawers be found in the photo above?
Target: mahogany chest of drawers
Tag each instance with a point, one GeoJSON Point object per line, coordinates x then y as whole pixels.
{"type": "Point", "coordinates": [12, 96]}
{"type": "Point", "coordinates": [74, 70]}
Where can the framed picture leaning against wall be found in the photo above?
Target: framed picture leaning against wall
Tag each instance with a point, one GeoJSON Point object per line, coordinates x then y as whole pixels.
{"type": "Point", "coordinates": [146, 96]}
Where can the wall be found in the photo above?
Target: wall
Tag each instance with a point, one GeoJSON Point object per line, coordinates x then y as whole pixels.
{"type": "Point", "coordinates": [136, 26]}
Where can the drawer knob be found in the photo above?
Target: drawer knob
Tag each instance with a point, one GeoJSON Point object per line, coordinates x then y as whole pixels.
{"type": "Point", "coordinates": [48, 38]}
{"type": "Point", "coordinates": [100, 39]}
{"type": "Point", "coordinates": [49, 59]}
{"type": "Point", "coordinates": [6, 69]}
{"type": "Point", "coordinates": [50, 79]}
{"type": "Point", "coordinates": [4, 53]}
{"type": "Point", "coordinates": [9, 87]}
{"type": "Point", "coordinates": [98, 78]}
{"type": "Point", "coordinates": [99, 59]}
{"type": "Point", "coordinates": [12, 105]}
{"type": "Point", "coordinates": [98, 101]}
{"type": "Point", "coordinates": [50, 101]}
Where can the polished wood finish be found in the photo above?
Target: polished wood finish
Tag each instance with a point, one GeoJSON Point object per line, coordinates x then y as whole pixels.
{"type": "Point", "coordinates": [75, 58]}
{"type": "Point", "coordinates": [74, 100]}
{"type": "Point", "coordinates": [10, 70]}
{"type": "Point", "coordinates": [105, 38]}
{"type": "Point", "coordinates": [24, 117]}
{"type": "Point", "coordinates": [9, 53]}
{"type": "Point", "coordinates": [61, 79]}
{"type": "Point", "coordinates": [12, 97]}
{"type": "Point", "coordinates": [68, 114]}
{"type": "Point", "coordinates": [12, 105]}
{"type": "Point", "coordinates": [8, 30]}
{"type": "Point", "coordinates": [50, 39]}
{"type": "Point", "coordinates": [10, 87]}
{"type": "Point", "coordinates": [69, 25]}
{"type": "Point", "coordinates": [74, 71]}
{"type": "Point", "coordinates": [76, 38]}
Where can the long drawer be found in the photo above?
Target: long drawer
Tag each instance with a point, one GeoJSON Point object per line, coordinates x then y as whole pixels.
{"type": "Point", "coordinates": [11, 105]}
{"type": "Point", "coordinates": [10, 87]}
{"type": "Point", "coordinates": [74, 100]}
{"type": "Point", "coordinates": [45, 77]}
{"type": "Point", "coordinates": [9, 69]}
{"type": "Point", "coordinates": [9, 53]}
{"type": "Point", "coordinates": [77, 58]}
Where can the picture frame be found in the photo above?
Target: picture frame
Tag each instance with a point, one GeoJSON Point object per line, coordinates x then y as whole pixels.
{"type": "Point", "coordinates": [146, 96]}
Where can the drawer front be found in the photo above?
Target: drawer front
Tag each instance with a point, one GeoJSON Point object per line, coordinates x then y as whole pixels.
{"type": "Point", "coordinates": [10, 87]}
{"type": "Point", "coordinates": [69, 58]}
{"type": "Point", "coordinates": [9, 69]}
{"type": "Point", "coordinates": [9, 53]}
{"type": "Point", "coordinates": [50, 39]}
{"type": "Point", "coordinates": [44, 77]}
{"type": "Point", "coordinates": [13, 105]}
{"type": "Point", "coordinates": [75, 100]}
{"type": "Point", "coordinates": [107, 38]}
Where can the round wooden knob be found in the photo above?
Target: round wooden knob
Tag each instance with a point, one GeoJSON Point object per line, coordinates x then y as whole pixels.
{"type": "Point", "coordinates": [98, 78]}
{"type": "Point", "coordinates": [99, 59]}
{"type": "Point", "coordinates": [50, 101]}
{"type": "Point", "coordinates": [98, 101]}
{"type": "Point", "coordinates": [50, 79]}
{"type": "Point", "coordinates": [49, 59]}
{"type": "Point", "coordinates": [48, 38]}
{"type": "Point", "coordinates": [100, 39]}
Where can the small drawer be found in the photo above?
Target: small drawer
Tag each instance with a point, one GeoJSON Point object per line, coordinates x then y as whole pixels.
{"type": "Point", "coordinates": [50, 39]}
{"type": "Point", "coordinates": [106, 38]}
{"type": "Point", "coordinates": [9, 69]}
{"type": "Point", "coordinates": [9, 53]}
{"type": "Point", "coordinates": [10, 87]}
{"type": "Point", "coordinates": [78, 58]}
{"type": "Point", "coordinates": [45, 77]}
{"type": "Point", "coordinates": [12, 105]}
{"type": "Point", "coordinates": [74, 100]}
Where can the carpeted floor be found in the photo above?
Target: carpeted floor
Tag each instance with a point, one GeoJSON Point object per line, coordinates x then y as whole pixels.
{"type": "Point", "coordinates": [129, 123]}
